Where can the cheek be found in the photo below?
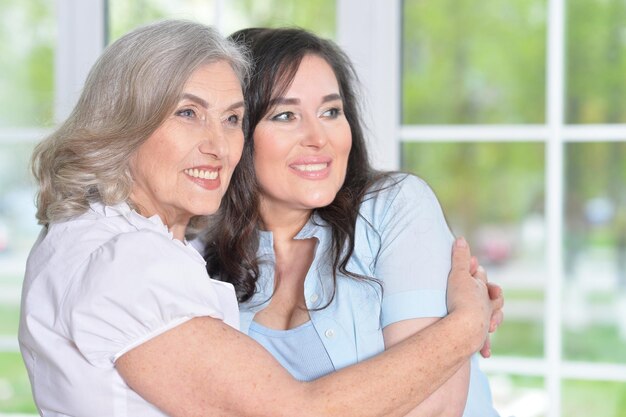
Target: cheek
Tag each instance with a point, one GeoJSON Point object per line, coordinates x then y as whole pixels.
{"type": "Point", "coordinates": [236, 152]}
{"type": "Point", "coordinates": [266, 155]}
{"type": "Point", "coordinates": [262, 168]}
{"type": "Point", "coordinates": [345, 144]}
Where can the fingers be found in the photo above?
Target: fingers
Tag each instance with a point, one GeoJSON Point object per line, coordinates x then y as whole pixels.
{"type": "Point", "coordinates": [496, 320]}
{"type": "Point", "coordinates": [461, 256]}
{"type": "Point", "coordinates": [496, 295]}
{"type": "Point", "coordinates": [485, 351]}
{"type": "Point", "coordinates": [481, 274]}
{"type": "Point", "coordinates": [473, 265]}
{"type": "Point", "coordinates": [497, 302]}
{"type": "Point", "coordinates": [495, 291]}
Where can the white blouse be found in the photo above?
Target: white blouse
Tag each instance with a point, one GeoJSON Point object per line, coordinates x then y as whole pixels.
{"type": "Point", "coordinates": [96, 287]}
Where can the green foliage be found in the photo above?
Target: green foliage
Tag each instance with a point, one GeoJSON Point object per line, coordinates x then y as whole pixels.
{"type": "Point", "coordinates": [127, 15]}
{"type": "Point", "coordinates": [594, 398]}
{"type": "Point", "coordinates": [9, 318]}
{"type": "Point", "coordinates": [14, 385]}
{"type": "Point", "coordinates": [480, 183]}
{"type": "Point", "coordinates": [597, 343]}
{"type": "Point", "coordinates": [464, 61]}
{"type": "Point", "coordinates": [318, 16]}
{"type": "Point", "coordinates": [27, 38]}
{"type": "Point", "coordinates": [518, 338]}
{"type": "Point", "coordinates": [596, 61]}
{"type": "Point", "coordinates": [595, 170]}
{"type": "Point", "coordinates": [473, 62]}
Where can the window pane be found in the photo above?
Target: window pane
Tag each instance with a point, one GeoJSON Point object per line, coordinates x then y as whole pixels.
{"type": "Point", "coordinates": [317, 16]}
{"type": "Point", "coordinates": [594, 398]}
{"type": "Point", "coordinates": [27, 37]}
{"type": "Point", "coordinates": [519, 396]}
{"type": "Point", "coordinates": [502, 216]}
{"type": "Point", "coordinates": [468, 61]}
{"type": "Point", "coordinates": [18, 226]}
{"type": "Point", "coordinates": [595, 252]}
{"type": "Point", "coordinates": [15, 394]}
{"type": "Point", "coordinates": [126, 15]}
{"type": "Point", "coordinates": [18, 231]}
{"type": "Point", "coordinates": [596, 61]}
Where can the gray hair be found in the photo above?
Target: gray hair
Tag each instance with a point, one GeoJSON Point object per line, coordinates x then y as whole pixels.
{"type": "Point", "coordinates": [129, 92]}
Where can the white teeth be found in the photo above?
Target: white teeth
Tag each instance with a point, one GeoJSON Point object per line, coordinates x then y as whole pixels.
{"type": "Point", "coordinates": [311, 167]}
{"type": "Point", "coordinates": [202, 174]}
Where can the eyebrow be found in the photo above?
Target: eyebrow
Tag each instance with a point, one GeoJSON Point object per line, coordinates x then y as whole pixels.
{"type": "Point", "coordinates": [292, 101]}
{"type": "Point", "coordinates": [331, 97]}
{"type": "Point", "coordinates": [235, 105]}
{"type": "Point", "coordinates": [202, 102]}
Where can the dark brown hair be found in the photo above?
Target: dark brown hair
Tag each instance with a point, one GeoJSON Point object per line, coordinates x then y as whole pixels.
{"type": "Point", "coordinates": [233, 239]}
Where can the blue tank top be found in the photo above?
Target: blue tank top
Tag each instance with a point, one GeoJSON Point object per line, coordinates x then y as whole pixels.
{"type": "Point", "coordinates": [300, 350]}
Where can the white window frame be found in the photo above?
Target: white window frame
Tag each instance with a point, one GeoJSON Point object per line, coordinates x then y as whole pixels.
{"type": "Point", "coordinates": [370, 32]}
{"type": "Point", "coordinates": [80, 40]}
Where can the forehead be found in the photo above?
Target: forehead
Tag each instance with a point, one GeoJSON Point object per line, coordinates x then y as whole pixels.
{"type": "Point", "coordinates": [214, 80]}
{"type": "Point", "coordinates": [314, 73]}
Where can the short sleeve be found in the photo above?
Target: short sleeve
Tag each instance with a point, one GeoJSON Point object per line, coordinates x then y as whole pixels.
{"type": "Point", "coordinates": [414, 256]}
{"type": "Point", "coordinates": [135, 287]}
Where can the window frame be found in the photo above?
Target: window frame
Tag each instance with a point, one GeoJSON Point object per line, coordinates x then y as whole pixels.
{"type": "Point", "coordinates": [382, 41]}
{"type": "Point", "coordinates": [370, 32]}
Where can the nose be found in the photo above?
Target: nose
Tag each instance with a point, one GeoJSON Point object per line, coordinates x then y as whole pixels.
{"type": "Point", "coordinates": [214, 141]}
{"type": "Point", "coordinates": [313, 133]}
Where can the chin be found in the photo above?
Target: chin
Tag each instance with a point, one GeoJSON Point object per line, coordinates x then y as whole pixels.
{"type": "Point", "coordinates": [320, 201]}
{"type": "Point", "coordinates": [206, 210]}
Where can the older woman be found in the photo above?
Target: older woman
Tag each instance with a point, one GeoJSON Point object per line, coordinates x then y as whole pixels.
{"type": "Point", "coordinates": [335, 262]}
{"type": "Point", "coordinates": [119, 317]}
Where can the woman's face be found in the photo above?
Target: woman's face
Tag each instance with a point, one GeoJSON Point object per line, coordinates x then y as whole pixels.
{"type": "Point", "coordinates": [184, 168]}
{"type": "Point", "coordinates": [302, 145]}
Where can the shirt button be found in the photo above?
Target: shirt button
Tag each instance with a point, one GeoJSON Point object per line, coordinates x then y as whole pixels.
{"type": "Point", "coordinates": [314, 297]}
{"type": "Point", "coordinates": [330, 333]}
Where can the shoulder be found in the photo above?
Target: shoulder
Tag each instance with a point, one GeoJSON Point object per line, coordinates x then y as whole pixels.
{"type": "Point", "coordinates": [96, 252]}
{"type": "Point", "coordinates": [393, 192]}
{"type": "Point", "coordinates": [397, 184]}
{"type": "Point", "coordinates": [90, 234]}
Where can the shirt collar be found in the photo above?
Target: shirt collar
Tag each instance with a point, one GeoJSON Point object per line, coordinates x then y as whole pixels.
{"type": "Point", "coordinates": [153, 223]}
{"type": "Point", "coordinates": [315, 227]}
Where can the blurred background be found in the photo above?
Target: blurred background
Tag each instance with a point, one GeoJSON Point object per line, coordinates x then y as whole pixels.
{"type": "Point", "coordinates": [514, 112]}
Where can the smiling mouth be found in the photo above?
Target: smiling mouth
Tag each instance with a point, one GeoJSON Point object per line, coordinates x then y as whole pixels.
{"type": "Point", "coordinates": [310, 167]}
{"type": "Point", "coordinates": [201, 173]}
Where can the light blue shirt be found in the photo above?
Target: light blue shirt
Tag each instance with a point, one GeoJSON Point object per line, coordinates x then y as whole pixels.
{"type": "Point", "coordinates": [300, 350]}
{"type": "Point", "coordinates": [401, 239]}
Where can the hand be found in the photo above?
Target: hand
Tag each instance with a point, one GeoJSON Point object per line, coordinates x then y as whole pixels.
{"type": "Point", "coordinates": [468, 296]}
{"type": "Point", "coordinates": [496, 296]}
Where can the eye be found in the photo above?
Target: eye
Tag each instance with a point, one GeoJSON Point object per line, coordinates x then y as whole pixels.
{"type": "Point", "coordinates": [189, 113]}
{"type": "Point", "coordinates": [332, 113]}
{"type": "Point", "coordinates": [234, 120]}
{"type": "Point", "coordinates": [284, 116]}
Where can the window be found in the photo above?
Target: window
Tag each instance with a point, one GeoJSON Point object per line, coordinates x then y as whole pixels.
{"type": "Point", "coordinates": [33, 97]}
{"type": "Point", "coordinates": [516, 123]}
{"type": "Point", "coordinates": [26, 94]}
{"type": "Point", "coordinates": [513, 112]}
{"type": "Point", "coordinates": [228, 16]}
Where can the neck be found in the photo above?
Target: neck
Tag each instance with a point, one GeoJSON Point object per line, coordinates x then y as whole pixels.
{"type": "Point", "coordinates": [175, 224]}
{"type": "Point", "coordinates": [284, 224]}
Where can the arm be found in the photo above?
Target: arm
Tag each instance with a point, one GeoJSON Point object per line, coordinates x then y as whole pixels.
{"type": "Point", "coordinates": [204, 367]}
{"type": "Point", "coordinates": [413, 263]}
{"type": "Point", "coordinates": [450, 399]}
